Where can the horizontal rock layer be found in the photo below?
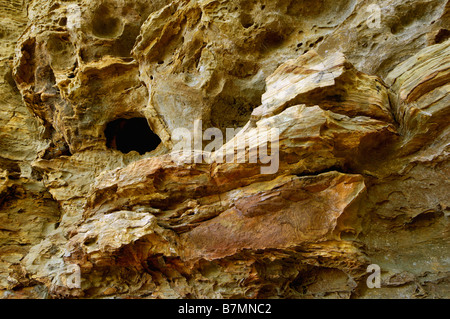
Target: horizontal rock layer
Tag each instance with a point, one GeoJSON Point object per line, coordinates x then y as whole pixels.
{"type": "Point", "coordinates": [340, 110]}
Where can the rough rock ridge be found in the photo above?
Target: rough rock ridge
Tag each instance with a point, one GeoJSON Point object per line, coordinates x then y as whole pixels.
{"type": "Point", "coordinates": [358, 91]}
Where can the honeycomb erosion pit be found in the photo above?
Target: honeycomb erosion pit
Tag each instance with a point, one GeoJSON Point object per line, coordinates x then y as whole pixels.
{"type": "Point", "coordinates": [94, 204]}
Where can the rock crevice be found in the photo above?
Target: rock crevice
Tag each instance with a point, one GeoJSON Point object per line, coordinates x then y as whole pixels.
{"type": "Point", "coordinates": [348, 99]}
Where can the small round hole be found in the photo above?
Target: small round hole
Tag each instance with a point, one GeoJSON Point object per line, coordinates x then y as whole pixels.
{"type": "Point", "coordinates": [127, 135]}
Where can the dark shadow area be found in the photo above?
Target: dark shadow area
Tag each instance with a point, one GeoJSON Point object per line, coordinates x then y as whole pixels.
{"type": "Point", "coordinates": [128, 135]}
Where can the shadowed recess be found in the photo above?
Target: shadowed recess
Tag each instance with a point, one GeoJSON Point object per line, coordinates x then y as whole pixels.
{"type": "Point", "coordinates": [127, 135]}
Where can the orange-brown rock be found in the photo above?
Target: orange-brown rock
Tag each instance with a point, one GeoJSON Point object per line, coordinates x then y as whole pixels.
{"type": "Point", "coordinates": [349, 98]}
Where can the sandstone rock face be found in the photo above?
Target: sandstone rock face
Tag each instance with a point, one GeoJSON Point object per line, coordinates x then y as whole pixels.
{"type": "Point", "coordinates": [341, 159]}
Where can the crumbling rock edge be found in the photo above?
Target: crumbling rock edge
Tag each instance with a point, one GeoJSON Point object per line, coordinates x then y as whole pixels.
{"type": "Point", "coordinates": [361, 172]}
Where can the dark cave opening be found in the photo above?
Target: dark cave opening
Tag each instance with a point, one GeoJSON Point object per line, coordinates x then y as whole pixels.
{"type": "Point", "coordinates": [128, 135]}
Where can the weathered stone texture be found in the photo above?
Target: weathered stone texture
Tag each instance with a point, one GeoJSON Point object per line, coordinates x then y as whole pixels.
{"type": "Point", "coordinates": [358, 89]}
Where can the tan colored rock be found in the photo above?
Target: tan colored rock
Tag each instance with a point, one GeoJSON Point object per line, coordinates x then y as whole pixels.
{"type": "Point", "coordinates": [27, 215]}
{"type": "Point", "coordinates": [100, 241]}
{"type": "Point", "coordinates": [355, 90]}
{"type": "Point", "coordinates": [382, 34]}
{"type": "Point", "coordinates": [331, 82]}
{"type": "Point", "coordinates": [14, 21]}
{"type": "Point", "coordinates": [296, 212]}
{"type": "Point", "coordinates": [306, 136]}
{"type": "Point", "coordinates": [200, 63]}
{"type": "Point", "coordinates": [421, 89]}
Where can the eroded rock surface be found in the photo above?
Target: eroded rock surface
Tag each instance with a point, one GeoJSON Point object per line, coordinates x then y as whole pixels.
{"type": "Point", "coordinates": [357, 91]}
